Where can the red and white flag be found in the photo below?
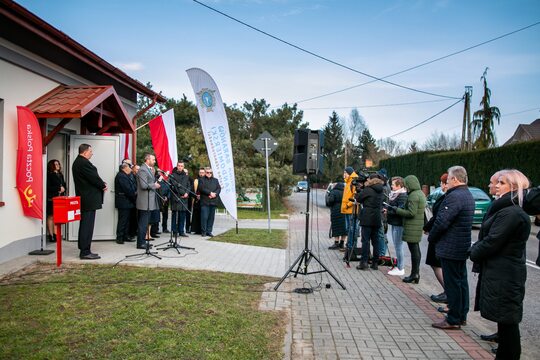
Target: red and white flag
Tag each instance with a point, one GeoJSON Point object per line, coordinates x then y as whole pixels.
{"type": "Point", "coordinates": [163, 134]}
{"type": "Point", "coordinates": [29, 164]}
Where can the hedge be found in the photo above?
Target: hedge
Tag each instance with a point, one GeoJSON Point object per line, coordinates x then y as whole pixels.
{"type": "Point", "coordinates": [480, 164]}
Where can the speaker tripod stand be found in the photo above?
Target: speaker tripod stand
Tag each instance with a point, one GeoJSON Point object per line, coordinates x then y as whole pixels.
{"type": "Point", "coordinates": [304, 259]}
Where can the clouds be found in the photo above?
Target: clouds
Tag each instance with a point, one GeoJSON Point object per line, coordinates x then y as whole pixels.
{"type": "Point", "coordinates": [129, 66]}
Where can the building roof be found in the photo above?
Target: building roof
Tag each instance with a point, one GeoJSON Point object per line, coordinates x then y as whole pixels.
{"type": "Point", "coordinates": [98, 107]}
{"type": "Point", "coordinates": [21, 27]}
{"type": "Point", "coordinates": [525, 132]}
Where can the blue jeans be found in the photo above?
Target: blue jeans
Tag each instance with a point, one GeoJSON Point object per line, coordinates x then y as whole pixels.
{"type": "Point", "coordinates": [382, 241]}
{"type": "Point", "coordinates": [397, 237]}
{"type": "Point", "coordinates": [180, 226]}
{"type": "Point", "coordinates": [370, 233]}
{"type": "Point", "coordinates": [456, 288]}
{"type": "Point", "coordinates": [353, 229]}
{"type": "Point", "coordinates": [208, 213]}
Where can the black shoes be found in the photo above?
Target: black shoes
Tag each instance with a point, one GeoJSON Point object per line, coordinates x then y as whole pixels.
{"type": "Point", "coordinates": [441, 298]}
{"type": "Point", "coordinates": [363, 266]}
{"type": "Point", "coordinates": [334, 247]}
{"type": "Point", "coordinates": [412, 279]}
{"type": "Point", "coordinates": [120, 241]}
{"type": "Point", "coordinates": [165, 231]}
{"type": "Point", "coordinates": [144, 246]}
{"type": "Point", "coordinates": [90, 256]}
{"type": "Point", "coordinates": [375, 265]}
{"type": "Point", "coordinates": [184, 235]}
{"type": "Point", "coordinates": [492, 337]}
{"type": "Point", "coordinates": [209, 234]}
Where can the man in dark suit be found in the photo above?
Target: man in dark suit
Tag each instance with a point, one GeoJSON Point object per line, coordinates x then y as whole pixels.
{"type": "Point", "coordinates": [209, 188]}
{"type": "Point", "coordinates": [146, 197]}
{"type": "Point", "coordinates": [90, 187]}
{"type": "Point", "coordinates": [124, 199]}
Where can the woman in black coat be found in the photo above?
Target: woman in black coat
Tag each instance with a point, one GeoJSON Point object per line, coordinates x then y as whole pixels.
{"type": "Point", "coordinates": [500, 254]}
{"type": "Point", "coordinates": [56, 186]}
{"type": "Point", "coordinates": [338, 229]}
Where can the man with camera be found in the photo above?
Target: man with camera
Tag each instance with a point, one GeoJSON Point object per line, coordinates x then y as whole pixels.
{"type": "Point", "coordinates": [369, 193]}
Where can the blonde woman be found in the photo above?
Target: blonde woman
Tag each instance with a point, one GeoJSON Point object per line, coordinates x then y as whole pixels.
{"type": "Point", "coordinates": [500, 251]}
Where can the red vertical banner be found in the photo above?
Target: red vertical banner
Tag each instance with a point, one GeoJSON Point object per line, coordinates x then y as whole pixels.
{"type": "Point", "coordinates": [29, 163]}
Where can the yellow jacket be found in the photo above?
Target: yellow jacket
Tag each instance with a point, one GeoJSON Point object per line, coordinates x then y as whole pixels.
{"type": "Point", "coordinates": [348, 192]}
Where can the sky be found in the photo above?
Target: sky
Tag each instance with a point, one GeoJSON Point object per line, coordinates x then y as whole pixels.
{"type": "Point", "coordinates": [156, 41]}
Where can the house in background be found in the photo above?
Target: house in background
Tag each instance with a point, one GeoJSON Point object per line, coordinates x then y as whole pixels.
{"type": "Point", "coordinates": [77, 97]}
{"type": "Point", "coordinates": [525, 132]}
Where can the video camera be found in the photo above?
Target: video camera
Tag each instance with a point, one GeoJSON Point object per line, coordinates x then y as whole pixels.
{"type": "Point", "coordinates": [361, 179]}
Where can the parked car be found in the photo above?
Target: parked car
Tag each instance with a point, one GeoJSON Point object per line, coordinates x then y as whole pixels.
{"type": "Point", "coordinates": [481, 202]}
{"type": "Point", "coordinates": [301, 186]}
{"type": "Point", "coordinates": [328, 190]}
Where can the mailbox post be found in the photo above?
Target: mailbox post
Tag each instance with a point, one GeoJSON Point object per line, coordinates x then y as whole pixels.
{"type": "Point", "coordinates": [65, 209]}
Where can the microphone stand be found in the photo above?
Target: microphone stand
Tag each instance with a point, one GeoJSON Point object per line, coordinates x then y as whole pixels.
{"type": "Point", "coordinates": [147, 251]}
{"type": "Point", "coordinates": [174, 244]}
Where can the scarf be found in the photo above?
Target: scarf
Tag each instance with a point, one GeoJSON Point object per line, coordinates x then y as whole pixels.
{"type": "Point", "coordinates": [394, 194]}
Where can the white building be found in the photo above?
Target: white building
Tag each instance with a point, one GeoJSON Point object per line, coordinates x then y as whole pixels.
{"type": "Point", "coordinates": [76, 96]}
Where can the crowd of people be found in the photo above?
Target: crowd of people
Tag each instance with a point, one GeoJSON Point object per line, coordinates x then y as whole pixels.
{"type": "Point", "coordinates": [143, 197]}
{"type": "Point", "coordinates": [372, 206]}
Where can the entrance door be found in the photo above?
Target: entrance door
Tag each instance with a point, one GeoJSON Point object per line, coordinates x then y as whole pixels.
{"type": "Point", "coordinates": [106, 160]}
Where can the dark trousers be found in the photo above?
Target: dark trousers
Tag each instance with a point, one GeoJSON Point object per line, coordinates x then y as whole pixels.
{"type": "Point", "coordinates": [456, 288]}
{"type": "Point", "coordinates": [179, 222]}
{"type": "Point", "coordinates": [196, 219]}
{"type": "Point", "coordinates": [370, 233]}
{"type": "Point", "coordinates": [416, 256]}
{"type": "Point", "coordinates": [188, 215]}
{"type": "Point", "coordinates": [122, 228]}
{"type": "Point", "coordinates": [133, 222]}
{"type": "Point", "coordinates": [86, 231]}
{"type": "Point", "coordinates": [164, 215]}
{"type": "Point", "coordinates": [144, 216]}
{"type": "Point", "coordinates": [509, 342]}
{"type": "Point", "coordinates": [208, 213]}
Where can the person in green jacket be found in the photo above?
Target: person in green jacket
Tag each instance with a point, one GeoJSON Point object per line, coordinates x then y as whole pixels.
{"type": "Point", "coordinates": [413, 222]}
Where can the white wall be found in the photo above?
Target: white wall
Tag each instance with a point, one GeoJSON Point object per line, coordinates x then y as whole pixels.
{"type": "Point", "coordinates": [17, 87]}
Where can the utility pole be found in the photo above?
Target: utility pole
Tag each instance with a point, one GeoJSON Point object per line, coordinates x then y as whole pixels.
{"type": "Point", "coordinates": [468, 92]}
{"type": "Point", "coordinates": [466, 129]}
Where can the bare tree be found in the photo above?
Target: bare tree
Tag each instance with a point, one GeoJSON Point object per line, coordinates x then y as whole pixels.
{"type": "Point", "coordinates": [353, 128]}
{"type": "Point", "coordinates": [392, 147]}
{"type": "Point", "coordinates": [440, 141]}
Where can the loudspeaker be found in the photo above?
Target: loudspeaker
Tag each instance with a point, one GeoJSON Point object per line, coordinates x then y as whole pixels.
{"type": "Point", "coordinates": [307, 157]}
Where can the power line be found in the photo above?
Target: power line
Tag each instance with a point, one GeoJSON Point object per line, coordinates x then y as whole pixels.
{"type": "Point", "coordinates": [423, 64]}
{"type": "Point", "coordinates": [520, 112]}
{"type": "Point", "coordinates": [376, 105]}
{"type": "Point", "coordinates": [322, 57]}
{"type": "Point", "coordinates": [424, 121]}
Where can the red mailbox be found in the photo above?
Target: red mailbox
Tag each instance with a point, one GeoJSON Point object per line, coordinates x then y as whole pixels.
{"type": "Point", "coordinates": [65, 209]}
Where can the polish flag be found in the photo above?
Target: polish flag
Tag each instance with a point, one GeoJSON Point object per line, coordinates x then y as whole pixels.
{"type": "Point", "coordinates": [163, 134]}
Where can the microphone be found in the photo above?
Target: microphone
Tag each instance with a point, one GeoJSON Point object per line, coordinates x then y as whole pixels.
{"type": "Point", "coordinates": [166, 173]}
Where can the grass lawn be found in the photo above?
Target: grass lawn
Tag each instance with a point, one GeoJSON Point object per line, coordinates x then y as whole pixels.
{"type": "Point", "coordinates": [257, 237]}
{"type": "Point", "coordinates": [104, 312]}
{"type": "Point", "coordinates": [261, 214]}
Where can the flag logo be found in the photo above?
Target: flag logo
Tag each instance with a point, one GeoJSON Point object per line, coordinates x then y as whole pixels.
{"type": "Point", "coordinates": [207, 98]}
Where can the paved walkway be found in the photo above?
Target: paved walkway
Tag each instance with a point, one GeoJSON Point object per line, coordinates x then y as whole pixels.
{"type": "Point", "coordinates": [377, 317]}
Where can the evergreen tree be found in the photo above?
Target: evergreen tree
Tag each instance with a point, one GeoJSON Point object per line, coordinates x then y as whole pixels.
{"type": "Point", "coordinates": [483, 120]}
{"type": "Point", "coordinates": [333, 148]}
{"type": "Point", "coordinates": [367, 147]}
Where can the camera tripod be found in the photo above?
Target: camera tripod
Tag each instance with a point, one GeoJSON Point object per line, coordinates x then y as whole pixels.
{"type": "Point", "coordinates": [304, 259]}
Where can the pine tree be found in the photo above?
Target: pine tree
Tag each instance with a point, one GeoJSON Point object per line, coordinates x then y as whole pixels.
{"type": "Point", "coordinates": [333, 148]}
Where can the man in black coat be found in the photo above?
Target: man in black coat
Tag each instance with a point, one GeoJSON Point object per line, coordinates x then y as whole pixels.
{"type": "Point", "coordinates": [179, 201]}
{"type": "Point", "coordinates": [124, 199]}
{"type": "Point", "coordinates": [370, 196]}
{"type": "Point", "coordinates": [90, 187]}
{"type": "Point", "coordinates": [209, 188]}
{"type": "Point", "coordinates": [451, 233]}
